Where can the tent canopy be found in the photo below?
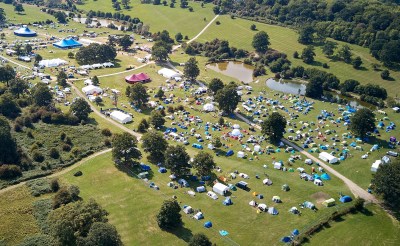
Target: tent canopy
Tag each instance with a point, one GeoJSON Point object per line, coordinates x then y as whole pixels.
{"type": "Point", "coordinates": [67, 44]}
{"type": "Point", "coordinates": [120, 117]}
{"type": "Point", "coordinates": [134, 78]}
{"type": "Point", "coordinates": [52, 63]}
{"type": "Point", "coordinates": [208, 107]}
{"type": "Point", "coordinates": [24, 31]}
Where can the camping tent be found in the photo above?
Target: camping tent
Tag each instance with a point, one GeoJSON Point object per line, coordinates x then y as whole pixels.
{"type": "Point", "coordinates": [24, 31]}
{"type": "Point", "coordinates": [375, 165]}
{"type": "Point", "coordinates": [120, 117]}
{"type": "Point", "coordinates": [277, 165]}
{"type": "Point", "coordinates": [318, 182]}
{"type": "Point", "coordinates": [91, 89]}
{"type": "Point", "coordinates": [208, 224]}
{"type": "Point", "coordinates": [276, 199]}
{"type": "Point", "coordinates": [285, 187]}
{"type": "Point", "coordinates": [253, 203]}
{"type": "Point", "coordinates": [328, 157]}
{"type": "Point", "coordinates": [295, 232]}
{"type": "Point", "coordinates": [199, 216]}
{"type": "Point", "coordinates": [294, 210]}
{"type": "Point", "coordinates": [209, 107]}
{"type": "Point", "coordinates": [325, 176]}
{"type": "Point", "coordinates": [240, 154]}
{"type": "Point", "coordinates": [162, 170]}
{"type": "Point", "coordinates": [52, 63]}
{"type": "Point", "coordinates": [345, 199]}
{"type": "Point", "coordinates": [227, 201]}
{"type": "Point", "coordinates": [220, 189]}
{"type": "Point", "coordinates": [329, 203]}
{"type": "Point", "coordinates": [267, 182]}
{"type": "Point", "coordinates": [263, 207]}
{"type": "Point", "coordinates": [201, 189]}
{"type": "Point", "coordinates": [229, 153]}
{"type": "Point", "coordinates": [135, 78]}
{"type": "Point", "coordinates": [183, 182]}
{"type": "Point", "coordinates": [188, 210]}
{"type": "Point", "coordinates": [309, 205]}
{"type": "Point", "coordinates": [212, 195]}
{"type": "Point", "coordinates": [273, 211]}
{"type": "Point", "coordinates": [169, 73]}
{"type": "Point", "coordinates": [236, 133]}
{"type": "Point", "coordinates": [67, 44]}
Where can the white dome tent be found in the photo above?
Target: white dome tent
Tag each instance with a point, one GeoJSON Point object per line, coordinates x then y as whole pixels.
{"type": "Point", "coordinates": [236, 126]}
{"type": "Point", "coordinates": [208, 107]}
{"type": "Point", "coordinates": [236, 133]}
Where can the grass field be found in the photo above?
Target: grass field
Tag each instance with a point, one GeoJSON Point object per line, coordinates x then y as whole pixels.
{"type": "Point", "coordinates": [285, 40]}
{"type": "Point", "coordinates": [173, 20]}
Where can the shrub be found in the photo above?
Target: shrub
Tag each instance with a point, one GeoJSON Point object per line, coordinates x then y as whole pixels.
{"type": "Point", "coordinates": [62, 197]}
{"type": "Point", "coordinates": [10, 171]}
{"type": "Point", "coordinates": [76, 151]}
{"type": "Point", "coordinates": [54, 185]}
{"type": "Point", "coordinates": [68, 141]}
{"type": "Point", "coordinates": [46, 117]}
{"type": "Point", "coordinates": [63, 136]}
{"type": "Point", "coordinates": [77, 174]}
{"type": "Point", "coordinates": [28, 121]}
{"type": "Point", "coordinates": [37, 156]}
{"type": "Point", "coordinates": [54, 153]}
{"type": "Point", "coordinates": [218, 22]}
{"type": "Point", "coordinates": [38, 187]}
{"type": "Point", "coordinates": [66, 147]}
{"type": "Point", "coordinates": [29, 134]}
{"type": "Point", "coordinates": [106, 132]}
{"type": "Point", "coordinates": [107, 142]}
{"type": "Point", "coordinates": [18, 127]}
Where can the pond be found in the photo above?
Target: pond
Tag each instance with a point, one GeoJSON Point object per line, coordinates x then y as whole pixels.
{"type": "Point", "coordinates": [103, 22]}
{"type": "Point", "coordinates": [296, 88]}
{"type": "Point", "coordinates": [234, 69]}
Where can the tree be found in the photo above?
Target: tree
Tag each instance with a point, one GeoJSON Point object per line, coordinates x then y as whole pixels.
{"type": "Point", "coordinates": [138, 94]}
{"type": "Point", "coordinates": [306, 35]}
{"type": "Point", "coordinates": [385, 74]}
{"type": "Point", "coordinates": [2, 16]}
{"type": "Point", "coordinates": [390, 53]}
{"type": "Point", "coordinates": [159, 53]}
{"type": "Point", "coordinates": [18, 86]}
{"type": "Point", "coordinates": [125, 148]}
{"type": "Point", "coordinates": [156, 119]}
{"type": "Point", "coordinates": [81, 109]}
{"type": "Point", "coordinates": [308, 54]}
{"type": "Point", "coordinates": [7, 73]}
{"type": "Point", "coordinates": [160, 93]}
{"type": "Point", "coordinates": [38, 58]}
{"type": "Point", "coordinates": [345, 53]}
{"type": "Point", "coordinates": [125, 42]}
{"type": "Point", "coordinates": [95, 81]}
{"type": "Point", "coordinates": [98, 100]}
{"type": "Point", "coordinates": [191, 69]}
{"type": "Point", "coordinates": [60, 16]}
{"type": "Point", "coordinates": [95, 53]}
{"type": "Point", "coordinates": [274, 127]}
{"type": "Point", "coordinates": [329, 48]}
{"type": "Point", "coordinates": [28, 48]}
{"type": "Point", "coordinates": [386, 183]}
{"type": "Point", "coordinates": [204, 163]}
{"type": "Point", "coordinates": [70, 55]}
{"type": "Point", "coordinates": [362, 121]}
{"type": "Point", "coordinates": [296, 55]}
{"type": "Point", "coordinates": [357, 62]}
{"type": "Point", "coordinates": [217, 143]}
{"type": "Point", "coordinates": [154, 143]}
{"type": "Point", "coordinates": [348, 85]}
{"type": "Point", "coordinates": [8, 147]}
{"type": "Point", "coordinates": [227, 98]}
{"type": "Point", "coordinates": [41, 95]}
{"type": "Point", "coordinates": [216, 85]}
{"type": "Point", "coordinates": [178, 37]}
{"type": "Point", "coordinates": [314, 88]}
{"type": "Point", "coordinates": [62, 197]}
{"type": "Point", "coordinates": [253, 27]}
{"type": "Point", "coordinates": [19, 8]}
{"type": "Point", "coordinates": [103, 234]}
{"type": "Point", "coordinates": [176, 159]}
{"type": "Point", "coordinates": [199, 239]}
{"type": "Point", "coordinates": [60, 76]}
{"type": "Point", "coordinates": [73, 222]}
{"type": "Point", "coordinates": [169, 216]}
{"type": "Point", "coordinates": [143, 125]}
{"type": "Point", "coordinates": [261, 42]}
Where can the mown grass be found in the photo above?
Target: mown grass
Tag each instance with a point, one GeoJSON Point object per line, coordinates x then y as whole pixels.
{"type": "Point", "coordinates": [160, 17]}
{"type": "Point", "coordinates": [285, 40]}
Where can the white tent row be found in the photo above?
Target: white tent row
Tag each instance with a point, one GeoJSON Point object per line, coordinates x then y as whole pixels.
{"type": "Point", "coordinates": [120, 117]}
{"type": "Point", "coordinates": [53, 62]}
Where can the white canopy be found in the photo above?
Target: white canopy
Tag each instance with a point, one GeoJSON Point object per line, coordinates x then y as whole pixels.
{"type": "Point", "coordinates": [91, 89]}
{"type": "Point", "coordinates": [168, 73]}
{"type": "Point", "coordinates": [240, 154]}
{"type": "Point", "coordinates": [120, 117]}
{"type": "Point", "coordinates": [208, 107]}
{"type": "Point", "coordinates": [375, 165]}
{"type": "Point", "coordinates": [267, 182]}
{"type": "Point", "coordinates": [236, 133]}
{"type": "Point", "coordinates": [220, 189]}
{"type": "Point", "coordinates": [52, 63]}
{"type": "Point", "coordinates": [236, 126]}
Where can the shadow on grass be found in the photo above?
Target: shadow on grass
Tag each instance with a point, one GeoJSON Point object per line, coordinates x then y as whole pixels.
{"type": "Point", "coordinates": [182, 232]}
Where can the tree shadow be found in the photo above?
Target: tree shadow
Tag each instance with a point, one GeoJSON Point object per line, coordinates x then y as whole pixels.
{"type": "Point", "coordinates": [362, 69]}
{"type": "Point", "coordinates": [92, 121]}
{"type": "Point", "coordinates": [316, 64]}
{"type": "Point", "coordinates": [182, 232]}
{"type": "Point", "coordinates": [366, 212]}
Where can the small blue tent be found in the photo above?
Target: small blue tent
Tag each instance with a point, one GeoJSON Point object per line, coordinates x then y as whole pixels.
{"type": "Point", "coordinates": [208, 224]}
{"type": "Point", "coordinates": [325, 176]}
{"type": "Point", "coordinates": [229, 153]}
{"type": "Point", "coordinates": [162, 170]}
{"type": "Point", "coordinates": [295, 232]}
{"type": "Point", "coordinates": [201, 189]}
{"type": "Point", "coordinates": [145, 167]}
{"type": "Point", "coordinates": [286, 239]}
{"type": "Point", "coordinates": [345, 199]}
{"type": "Point", "coordinates": [227, 201]}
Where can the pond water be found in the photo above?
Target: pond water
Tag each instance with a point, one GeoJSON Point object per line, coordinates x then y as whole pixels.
{"type": "Point", "coordinates": [237, 70]}
{"type": "Point", "coordinates": [296, 88]}
{"type": "Point", "coordinates": [103, 22]}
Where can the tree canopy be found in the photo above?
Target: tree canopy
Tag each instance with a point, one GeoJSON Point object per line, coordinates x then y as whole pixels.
{"type": "Point", "coordinates": [215, 85]}
{"type": "Point", "coordinates": [125, 148]}
{"type": "Point", "coordinates": [8, 106]}
{"type": "Point", "coordinates": [362, 121]}
{"type": "Point", "coordinates": [228, 98]}
{"type": "Point", "coordinates": [308, 54]}
{"type": "Point", "coordinates": [169, 216]}
{"type": "Point", "coordinates": [95, 53]}
{"type": "Point", "coordinates": [8, 147]}
{"type": "Point", "coordinates": [191, 69]}
{"type": "Point", "coordinates": [157, 119]}
{"type": "Point", "coordinates": [154, 143]}
{"type": "Point", "coordinates": [199, 239]}
{"type": "Point", "coordinates": [42, 95]}
{"type": "Point", "coordinates": [125, 42]}
{"type": "Point", "coordinates": [138, 94]}
{"type": "Point", "coordinates": [103, 234]}
{"type": "Point", "coordinates": [261, 42]}
{"type": "Point", "coordinates": [204, 163]}
{"type": "Point", "coordinates": [176, 159]}
{"type": "Point", "coordinates": [274, 127]}
{"type": "Point", "coordinates": [81, 109]}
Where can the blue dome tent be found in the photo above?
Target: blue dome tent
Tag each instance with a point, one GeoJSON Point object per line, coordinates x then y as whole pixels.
{"type": "Point", "coordinates": [295, 232]}
{"type": "Point", "coordinates": [208, 224]}
{"type": "Point", "coordinates": [345, 199]}
{"type": "Point", "coordinates": [25, 32]}
{"type": "Point", "coordinates": [325, 176]}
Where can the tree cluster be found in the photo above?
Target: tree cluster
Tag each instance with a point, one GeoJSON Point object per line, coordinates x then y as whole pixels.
{"type": "Point", "coordinates": [215, 50]}
{"type": "Point", "coordinates": [95, 53]}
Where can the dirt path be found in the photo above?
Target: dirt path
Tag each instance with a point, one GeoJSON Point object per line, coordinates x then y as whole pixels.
{"type": "Point", "coordinates": [59, 173]}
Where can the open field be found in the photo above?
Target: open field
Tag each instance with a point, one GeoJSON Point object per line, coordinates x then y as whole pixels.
{"type": "Point", "coordinates": [285, 40]}
{"type": "Point", "coordinates": [173, 20]}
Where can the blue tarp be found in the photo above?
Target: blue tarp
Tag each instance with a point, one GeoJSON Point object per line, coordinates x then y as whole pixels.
{"type": "Point", "coordinates": [223, 233]}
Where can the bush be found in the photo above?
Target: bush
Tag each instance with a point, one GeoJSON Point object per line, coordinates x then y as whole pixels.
{"type": "Point", "coordinates": [63, 136]}
{"type": "Point", "coordinates": [66, 147]}
{"type": "Point", "coordinates": [18, 127]}
{"type": "Point", "coordinates": [39, 187]}
{"type": "Point", "coordinates": [37, 156]}
{"type": "Point", "coordinates": [77, 174]}
{"type": "Point", "coordinates": [29, 134]}
{"type": "Point", "coordinates": [54, 153]}
{"type": "Point", "coordinates": [218, 22]}
{"type": "Point", "coordinates": [76, 151]}
{"type": "Point", "coordinates": [10, 171]}
{"type": "Point", "coordinates": [54, 185]}
{"type": "Point", "coordinates": [62, 197]}
{"type": "Point", "coordinates": [68, 141]}
{"type": "Point", "coordinates": [107, 142]}
{"type": "Point", "coordinates": [106, 132]}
